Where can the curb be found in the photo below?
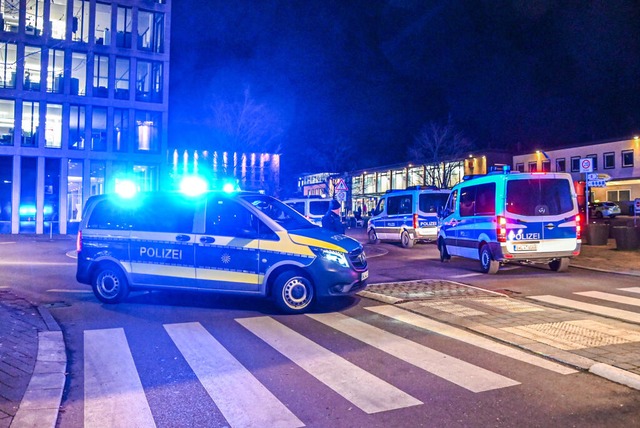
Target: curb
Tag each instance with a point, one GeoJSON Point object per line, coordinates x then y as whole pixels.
{"type": "Point", "coordinates": [41, 401]}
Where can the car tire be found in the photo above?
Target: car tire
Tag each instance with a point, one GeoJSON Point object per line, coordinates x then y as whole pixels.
{"type": "Point", "coordinates": [293, 292]}
{"type": "Point", "coordinates": [406, 240]}
{"type": "Point", "coordinates": [373, 236]}
{"type": "Point", "coordinates": [444, 254]}
{"type": "Point", "coordinates": [559, 265]}
{"type": "Point", "coordinates": [598, 214]}
{"type": "Point", "coordinates": [487, 262]}
{"type": "Point", "coordinates": [109, 284]}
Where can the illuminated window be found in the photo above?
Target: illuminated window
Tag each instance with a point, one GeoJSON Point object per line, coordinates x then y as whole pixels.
{"type": "Point", "coordinates": [7, 65]}
{"type": "Point", "coordinates": [58, 18]}
{"type": "Point", "coordinates": [11, 13]}
{"type": "Point", "coordinates": [53, 126]}
{"type": "Point", "coordinates": [30, 123]}
{"type": "Point", "coordinates": [7, 122]}
{"type": "Point", "coordinates": [150, 31]}
{"type": "Point", "coordinates": [55, 71]}
{"type": "Point", "coordinates": [80, 27]}
{"type": "Point", "coordinates": [120, 129]}
{"type": "Point", "coordinates": [149, 81]}
{"type": "Point", "coordinates": [124, 27]}
{"type": "Point", "coordinates": [32, 65]}
{"type": "Point", "coordinates": [100, 76]}
{"type": "Point", "coordinates": [74, 189]}
{"type": "Point", "coordinates": [102, 33]}
{"type": "Point", "coordinates": [148, 131]}
{"type": "Point", "coordinates": [99, 129]}
{"type": "Point", "coordinates": [78, 73]}
{"type": "Point", "coordinates": [122, 78]}
{"type": "Point", "coordinates": [35, 17]}
{"type": "Point", "coordinates": [76, 127]}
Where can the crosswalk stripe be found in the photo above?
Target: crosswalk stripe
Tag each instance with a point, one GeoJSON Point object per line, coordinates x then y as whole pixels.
{"type": "Point", "coordinates": [466, 375]}
{"type": "Point", "coordinates": [364, 390]}
{"type": "Point", "coordinates": [631, 289]}
{"type": "Point", "coordinates": [241, 398]}
{"type": "Point", "coordinates": [467, 337]}
{"type": "Point", "coordinates": [609, 297]}
{"type": "Point", "coordinates": [588, 307]}
{"type": "Point", "coordinates": [113, 393]}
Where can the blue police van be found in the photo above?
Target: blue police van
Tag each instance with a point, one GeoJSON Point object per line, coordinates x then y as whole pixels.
{"type": "Point", "coordinates": [509, 216]}
{"type": "Point", "coordinates": [407, 216]}
{"type": "Point", "coordinates": [241, 243]}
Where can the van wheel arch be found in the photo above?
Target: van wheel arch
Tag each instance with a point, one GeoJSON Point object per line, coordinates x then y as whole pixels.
{"type": "Point", "coordinates": [487, 262]}
{"type": "Point", "coordinates": [109, 283]}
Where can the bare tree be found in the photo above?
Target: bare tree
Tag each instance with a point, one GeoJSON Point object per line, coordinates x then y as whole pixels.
{"type": "Point", "coordinates": [245, 125]}
{"type": "Point", "coordinates": [442, 148]}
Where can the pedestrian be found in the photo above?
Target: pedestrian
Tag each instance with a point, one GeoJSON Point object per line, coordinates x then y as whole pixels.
{"type": "Point", "coordinates": [331, 220]}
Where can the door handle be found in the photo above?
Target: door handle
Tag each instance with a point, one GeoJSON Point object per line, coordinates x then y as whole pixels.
{"type": "Point", "coordinates": [183, 238]}
{"type": "Point", "coordinates": [207, 240]}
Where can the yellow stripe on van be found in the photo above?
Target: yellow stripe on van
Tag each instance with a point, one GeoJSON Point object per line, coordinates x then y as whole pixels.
{"type": "Point", "coordinates": [158, 269]}
{"type": "Point", "coordinates": [287, 245]}
{"type": "Point", "coordinates": [304, 240]}
{"type": "Point", "coordinates": [227, 276]}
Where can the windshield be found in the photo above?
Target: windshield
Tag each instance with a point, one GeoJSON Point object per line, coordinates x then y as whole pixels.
{"type": "Point", "coordinates": [279, 212]}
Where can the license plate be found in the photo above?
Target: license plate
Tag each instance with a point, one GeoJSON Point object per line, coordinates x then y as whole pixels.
{"type": "Point", "coordinates": [526, 247]}
{"type": "Point", "coordinates": [364, 275]}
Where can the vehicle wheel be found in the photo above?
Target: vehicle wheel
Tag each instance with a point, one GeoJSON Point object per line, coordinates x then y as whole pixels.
{"type": "Point", "coordinates": [598, 214]}
{"type": "Point", "coordinates": [109, 284]}
{"type": "Point", "coordinates": [293, 292]}
{"type": "Point", "coordinates": [406, 240]}
{"type": "Point", "coordinates": [373, 236]}
{"type": "Point", "coordinates": [442, 247]}
{"type": "Point", "coordinates": [559, 265]}
{"type": "Point", "coordinates": [487, 263]}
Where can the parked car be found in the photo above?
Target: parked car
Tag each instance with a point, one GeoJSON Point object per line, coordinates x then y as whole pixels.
{"type": "Point", "coordinates": [604, 209]}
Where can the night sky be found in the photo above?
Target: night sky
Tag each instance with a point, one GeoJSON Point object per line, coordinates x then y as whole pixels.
{"type": "Point", "coordinates": [361, 77]}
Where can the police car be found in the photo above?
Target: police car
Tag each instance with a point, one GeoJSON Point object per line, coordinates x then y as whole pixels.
{"type": "Point", "coordinates": [241, 243]}
{"type": "Point", "coordinates": [313, 208]}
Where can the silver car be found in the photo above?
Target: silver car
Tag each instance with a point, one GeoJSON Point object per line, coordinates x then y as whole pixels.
{"type": "Point", "coordinates": [604, 209]}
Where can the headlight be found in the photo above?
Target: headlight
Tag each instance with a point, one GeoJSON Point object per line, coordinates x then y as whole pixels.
{"type": "Point", "coordinates": [332, 256]}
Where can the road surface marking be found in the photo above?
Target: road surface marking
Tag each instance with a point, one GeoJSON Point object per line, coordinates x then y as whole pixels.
{"type": "Point", "coordinates": [23, 263]}
{"type": "Point", "coordinates": [364, 390]}
{"type": "Point", "coordinates": [461, 373]}
{"type": "Point", "coordinates": [241, 398]}
{"type": "Point", "coordinates": [616, 298]}
{"type": "Point", "coordinates": [113, 393]}
{"type": "Point", "coordinates": [631, 289]}
{"type": "Point", "coordinates": [466, 275]}
{"type": "Point", "coordinates": [588, 307]}
{"type": "Point", "coordinates": [467, 337]}
{"type": "Point", "coordinates": [62, 290]}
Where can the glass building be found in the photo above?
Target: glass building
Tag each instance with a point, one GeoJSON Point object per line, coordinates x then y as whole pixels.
{"type": "Point", "coordinates": [83, 104]}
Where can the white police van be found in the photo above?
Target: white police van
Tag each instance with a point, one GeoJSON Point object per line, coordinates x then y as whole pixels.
{"type": "Point", "coordinates": [512, 217]}
{"type": "Point", "coordinates": [241, 243]}
{"type": "Point", "coordinates": [313, 208]}
{"type": "Point", "coordinates": [407, 216]}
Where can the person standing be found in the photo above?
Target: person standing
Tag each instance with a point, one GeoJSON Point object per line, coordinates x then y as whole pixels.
{"type": "Point", "coordinates": [331, 220]}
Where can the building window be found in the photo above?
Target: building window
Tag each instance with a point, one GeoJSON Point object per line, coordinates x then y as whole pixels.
{"type": "Point", "coordinates": [11, 14]}
{"type": "Point", "coordinates": [32, 63]}
{"type": "Point", "coordinates": [58, 18]}
{"type": "Point", "coordinates": [146, 177]}
{"type": "Point", "coordinates": [609, 160]}
{"type": "Point", "coordinates": [546, 166]}
{"type": "Point", "coordinates": [52, 168]}
{"type": "Point", "coordinates": [76, 127]}
{"type": "Point", "coordinates": [80, 27]}
{"type": "Point", "coordinates": [120, 129]}
{"type": "Point", "coordinates": [520, 167]}
{"type": "Point", "coordinates": [8, 64]}
{"type": "Point", "coordinates": [101, 76]}
{"type": "Point", "coordinates": [7, 122]}
{"type": "Point", "coordinates": [627, 158]}
{"type": "Point", "coordinates": [28, 184]}
{"type": "Point", "coordinates": [102, 33]}
{"type": "Point", "coordinates": [148, 131]}
{"type": "Point", "coordinates": [122, 78]}
{"type": "Point", "coordinates": [97, 177]}
{"type": "Point", "coordinates": [124, 27]}
{"type": "Point", "coordinates": [151, 31]}
{"type": "Point", "coordinates": [53, 126]}
{"type": "Point", "coordinates": [34, 17]}
{"type": "Point", "coordinates": [30, 123]}
{"type": "Point", "coordinates": [55, 71]}
{"type": "Point", "coordinates": [99, 129]}
{"type": "Point", "coordinates": [533, 166]}
{"type": "Point", "coordinates": [78, 73]}
{"type": "Point", "coordinates": [149, 81]}
{"type": "Point", "coordinates": [561, 165]}
{"type": "Point", "coordinates": [575, 164]}
{"type": "Point", "coordinates": [74, 189]}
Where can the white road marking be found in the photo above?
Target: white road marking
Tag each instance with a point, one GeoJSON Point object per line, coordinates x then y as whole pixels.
{"type": "Point", "coordinates": [113, 393]}
{"type": "Point", "coordinates": [241, 398]}
{"type": "Point", "coordinates": [23, 263]}
{"type": "Point", "coordinates": [631, 289]}
{"type": "Point", "coordinates": [467, 337]}
{"type": "Point", "coordinates": [62, 290]}
{"type": "Point", "coordinates": [461, 373]}
{"type": "Point", "coordinates": [588, 307]}
{"type": "Point", "coordinates": [364, 390]}
{"type": "Point", "coordinates": [466, 275]}
{"type": "Point", "coordinates": [616, 298]}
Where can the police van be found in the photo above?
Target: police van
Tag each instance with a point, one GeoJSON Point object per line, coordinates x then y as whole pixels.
{"type": "Point", "coordinates": [241, 243]}
{"type": "Point", "coordinates": [313, 208]}
{"type": "Point", "coordinates": [407, 216]}
{"type": "Point", "coordinates": [512, 217]}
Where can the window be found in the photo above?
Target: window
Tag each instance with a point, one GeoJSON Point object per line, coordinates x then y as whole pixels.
{"type": "Point", "coordinates": [55, 71]}
{"type": "Point", "coordinates": [150, 31]}
{"type": "Point", "coordinates": [120, 129]}
{"type": "Point", "coordinates": [53, 126]}
{"type": "Point", "coordinates": [108, 214]}
{"type": "Point", "coordinates": [467, 201]}
{"type": "Point", "coordinates": [627, 158]}
{"type": "Point", "coordinates": [575, 164]}
{"type": "Point", "coordinates": [101, 76]}
{"type": "Point", "coordinates": [11, 12]}
{"type": "Point", "coordinates": [546, 166]}
{"type": "Point", "coordinates": [76, 127]}
{"type": "Point", "coordinates": [30, 123]}
{"type": "Point", "coordinates": [533, 166]}
{"type": "Point", "coordinates": [96, 175]}
{"type": "Point", "coordinates": [7, 122]}
{"type": "Point", "coordinates": [179, 219]}
{"type": "Point", "coordinates": [228, 218]}
{"type": "Point", "coordinates": [539, 197]}
{"type": "Point", "coordinates": [28, 179]}
{"type": "Point", "coordinates": [146, 177]}
{"type": "Point", "coordinates": [399, 205]}
{"type": "Point", "coordinates": [99, 129]}
{"type": "Point", "coordinates": [102, 34]}
{"type": "Point", "coordinates": [80, 27]}
{"type": "Point", "coordinates": [122, 78]}
{"type": "Point", "coordinates": [520, 167]}
{"type": "Point", "coordinates": [124, 27]}
{"type": "Point", "coordinates": [35, 17]}
{"type": "Point", "coordinates": [58, 18]}
{"type": "Point", "coordinates": [52, 167]}
{"type": "Point", "coordinates": [78, 73]}
{"type": "Point", "coordinates": [486, 199]}
{"type": "Point", "coordinates": [149, 81]}
{"type": "Point", "coordinates": [619, 195]}
{"type": "Point", "coordinates": [74, 189]}
{"type": "Point", "coordinates": [432, 202]}
{"type": "Point", "coordinates": [7, 65]}
{"type": "Point", "coordinates": [594, 161]}
{"type": "Point", "coordinates": [32, 63]}
{"type": "Point", "coordinates": [609, 160]}
{"type": "Point", "coordinates": [148, 131]}
{"type": "Point", "coordinates": [561, 165]}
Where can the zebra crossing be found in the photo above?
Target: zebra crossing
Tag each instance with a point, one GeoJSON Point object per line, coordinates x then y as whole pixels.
{"type": "Point", "coordinates": [114, 395]}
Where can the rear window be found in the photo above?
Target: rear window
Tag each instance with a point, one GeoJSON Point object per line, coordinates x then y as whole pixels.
{"type": "Point", "coordinates": [318, 207]}
{"type": "Point", "coordinates": [432, 202]}
{"type": "Point", "coordinates": [539, 197]}
{"type": "Point", "coordinates": [298, 206]}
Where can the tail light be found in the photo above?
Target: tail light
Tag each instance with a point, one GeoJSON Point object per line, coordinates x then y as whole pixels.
{"type": "Point", "coordinates": [501, 229]}
{"type": "Point", "coordinates": [79, 241]}
{"type": "Point", "coordinates": [578, 227]}
{"type": "Point", "coordinates": [415, 221]}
